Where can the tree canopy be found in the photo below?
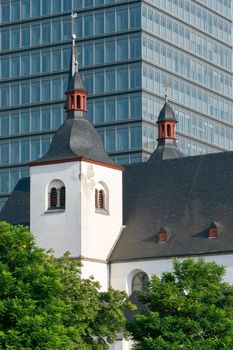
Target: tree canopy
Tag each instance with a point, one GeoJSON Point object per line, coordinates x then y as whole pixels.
{"type": "Point", "coordinates": [46, 305]}
{"type": "Point", "coordinates": [190, 308]}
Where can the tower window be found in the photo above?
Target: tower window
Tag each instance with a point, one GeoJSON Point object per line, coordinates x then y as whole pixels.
{"type": "Point", "coordinates": [169, 130]}
{"type": "Point", "coordinates": [139, 282]}
{"type": "Point", "coordinates": [56, 195]}
{"type": "Point", "coordinates": [78, 101]}
{"type": "Point", "coordinates": [101, 198]}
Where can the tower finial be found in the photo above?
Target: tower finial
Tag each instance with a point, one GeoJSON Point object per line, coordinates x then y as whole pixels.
{"type": "Point", "coordinates": [74, 53]}
{"type": "Point", "coordinates": [166, 85]}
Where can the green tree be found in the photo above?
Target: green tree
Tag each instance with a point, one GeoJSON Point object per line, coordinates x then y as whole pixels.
{"type": "Point", "coordinates": [190, 308]}
{"type": "Point", "coordinates": [45, 304]}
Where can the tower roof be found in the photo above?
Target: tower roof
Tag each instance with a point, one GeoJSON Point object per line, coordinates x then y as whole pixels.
{"type": "Point", "coordinates": [166, 113]}
{"type": "Point", "coordinates": [76, 138]}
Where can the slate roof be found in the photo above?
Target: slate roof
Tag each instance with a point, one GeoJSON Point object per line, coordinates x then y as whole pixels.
{"type": "Point", "coordinates": [183, 195]}
{"type": "Point", "coordinates": [76, 82]}
{"type": "Point", "coordinates": [166, 149]}
{"type": "Point", "coordinates": [17, 208]}
{"type": "Point", "coordinates": [76, 138]}
{"type": "Point", "coordinates": [166, 113]}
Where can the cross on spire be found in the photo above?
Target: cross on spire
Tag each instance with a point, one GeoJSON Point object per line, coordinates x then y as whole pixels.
{"type": "Point", "coordinates": [166, 85]}
{"type": "Point", "coordinates": [74, 51]}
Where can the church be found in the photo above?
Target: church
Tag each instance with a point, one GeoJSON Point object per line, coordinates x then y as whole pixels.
{"type": "Point", "coordinates": [125, 224]}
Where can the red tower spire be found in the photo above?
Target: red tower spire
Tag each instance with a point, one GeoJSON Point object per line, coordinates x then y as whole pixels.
{"type": "Point", "coordinates": [166, 123]}
{"type": "Point", "coordinates": [76, 92]}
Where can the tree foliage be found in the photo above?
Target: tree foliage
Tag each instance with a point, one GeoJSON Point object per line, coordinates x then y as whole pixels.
{"type": "Point", "coordinates": [190, 308]}
{"type": "Point", "coordinates": [45, 304]}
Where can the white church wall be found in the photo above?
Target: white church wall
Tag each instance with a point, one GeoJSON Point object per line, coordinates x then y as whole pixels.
{"type": "Point", "coordinates": [122, 273]}
{"type": "Point", "coordinates": [98, 270]}
{"type": "Point", "coordinates": [100, 228]}
{"type": "Point", "coordinates": [56, 229]}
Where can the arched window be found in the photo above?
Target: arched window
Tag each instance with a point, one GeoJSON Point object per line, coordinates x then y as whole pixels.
{"type": "Point", "coordinates": [78, 101]}
{"type": "Point", "coordinates": [169, 130]}
{"type": "Point", "coordinates": [63, 197]}
{"type": "Point", "coordinates": [56, 195]}
{"type": "Point", "coordinates": [139, 282]}
{"type": "Point", "coordinates": [101, 198]}
{"type": "Point", "coordinates": [53, 198]}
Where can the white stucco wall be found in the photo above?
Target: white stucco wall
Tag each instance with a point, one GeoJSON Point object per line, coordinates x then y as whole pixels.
{"type": "Point", "coordinates": [100, 229]}
{"type": "Point", "coordinates": [59, 230]}
{"type": "Point", "coordinates": [98, 270]}
{"type": "Point", "coordinates": [123, 273]}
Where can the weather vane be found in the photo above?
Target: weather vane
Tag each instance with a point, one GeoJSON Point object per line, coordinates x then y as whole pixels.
{"type": "Point", "coordinates": [166, 85]}
{"type": "Point", "coordinates": [73, 16]}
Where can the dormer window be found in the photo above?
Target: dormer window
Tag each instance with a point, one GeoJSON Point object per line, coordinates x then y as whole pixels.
{"type": "Point", "coordinates": [56, 195]}
{"type": "Point", "coordinates": [162, 235]}
{"type": "Point", "coordinates": [212, 231]}
{"type": "Point", "coordinates": [101, 198]}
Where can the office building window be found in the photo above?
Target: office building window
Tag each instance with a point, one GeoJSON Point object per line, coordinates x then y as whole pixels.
{"type": "Point", "coordinates": [5, 39]}
{"type": "Point", "coordinates": [110, 80]}
{"type": "Point", "coordinates": [122, 79]}
{"type": "Point", "coordinates": [5, 10]}
{"type": "Point", "coordinates": [110, 141]}
{"type": "Point", "coordinates": [122, 109]}
{"type": "Point", "coordinates": [15, 38]}
{"type": "Point", "coordinates": [5, 68]}
{"type": "Point", "coordinates": [122, 139]}
{"type": "Point", "coordinates": [35, 30]}
{"type": "Point", "coordinates": [122, 19]}
{"type": "Point", "coordinates": [56, 30]}
{"type": "Point", "coordinates": [25, 8]}
{"type": "Point", "coordinates": [99, 53]}
{"type": "Point", "coordinates": [35, 120]}
{"type": "Point", "coordinates": [25, 93]}
{"type": "Point", "coordinates": [99, 112]}
{"type": "Point", "coordinates": [46, 32]}
{"type": "Point", "coordinates": [122, 49]}
{"type": "Point", "coordinates": [110, 110]}
{"type": "Point", "coordinates": [15, 66]}
{"type": "Point", "coordinates": [35, 89]}
{"type": "Point", "coordinates": [35, 63]}
{"type": "Point", "coordinates": [88, 54]}
{"type": "Point", "coordinates": [25, 65]}
{"type": "Point", "coordinates": [110, 22]}
{"type": "Point", "coordinates": [36, 8]}
{"type": "Point", "coordinates": [99, 23]}
{"type": "Point", "coordinates": [99, 82]}
{"type": "Point", "coordinates": [25, 36]}
{"type": "Point", "coordinates": [88, 25]}
{"type": "Point", "coordinates": [110, 50]}
{"type": "Point", "coordinates": [15, 10]}
{"type": "Point", "coordinates": [25, 122]}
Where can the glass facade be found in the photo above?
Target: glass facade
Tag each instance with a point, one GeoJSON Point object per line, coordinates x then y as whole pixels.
{"type": "Point", "coordinates": [127, 51]}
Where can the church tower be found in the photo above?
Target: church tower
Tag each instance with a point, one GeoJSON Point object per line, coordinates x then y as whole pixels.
{"type": "Point", "coordinates": [76, 189]}
{"type": "Point", "coordinates": [167, 147]}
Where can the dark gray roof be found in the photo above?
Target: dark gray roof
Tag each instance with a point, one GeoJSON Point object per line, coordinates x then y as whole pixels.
{"type": "Point", "coordinates": [76, 82]}
{"type": "Point", "coordinates": [17, 208]}
{"type": "Point", "coordinates": [166, 113]}
{"type": "Point", "coordinates": [184, 195]}
{"type": "Point", "coordinates": [167, 149]}
{"type": "Point", "coordinates": [76, 138]}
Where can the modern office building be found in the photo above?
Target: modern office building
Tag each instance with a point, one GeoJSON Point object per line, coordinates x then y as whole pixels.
{"type": "Point", "coordinates": [129, 53]}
